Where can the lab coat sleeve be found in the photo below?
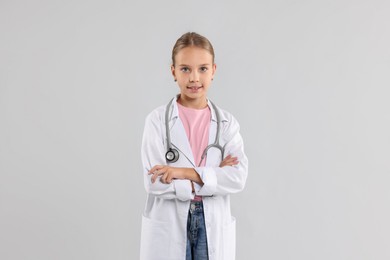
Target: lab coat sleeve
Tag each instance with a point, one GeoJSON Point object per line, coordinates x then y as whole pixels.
{"type": "Point", "coordinates": [153, 153]}
{"type": "Point", "coordinates": [229, 179]}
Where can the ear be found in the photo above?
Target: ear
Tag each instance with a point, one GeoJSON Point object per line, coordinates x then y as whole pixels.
{"type": "Point", "coordinates": [173, 71]}
{"type": "Point", "coordinates": [214, 68]}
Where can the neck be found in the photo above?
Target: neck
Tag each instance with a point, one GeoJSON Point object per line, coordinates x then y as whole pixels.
{"type": "Point", "coordinates": [193, 103]}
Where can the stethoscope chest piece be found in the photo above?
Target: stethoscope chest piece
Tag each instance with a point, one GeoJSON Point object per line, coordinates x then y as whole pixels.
{"type": "Point", "coordinates": [172, 155]}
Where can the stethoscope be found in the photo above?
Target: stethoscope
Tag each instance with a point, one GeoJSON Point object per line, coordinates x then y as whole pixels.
{"type": "Point", "coordinates": [172, 154]}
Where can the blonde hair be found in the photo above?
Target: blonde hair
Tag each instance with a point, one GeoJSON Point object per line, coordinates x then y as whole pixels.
{"type": "Point", "coordinates": [192, 39]}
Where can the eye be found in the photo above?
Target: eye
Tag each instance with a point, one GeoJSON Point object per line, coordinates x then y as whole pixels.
{"type": "Point", "coordinates": [203, 69]}
{"type": "Point", "coordinates": [184, 69]}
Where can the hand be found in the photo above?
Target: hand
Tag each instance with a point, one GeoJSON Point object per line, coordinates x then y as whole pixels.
{"type": "Point", "coordinates": [229, 161]}
{"type": "Point", "coordinates": [167, 173]}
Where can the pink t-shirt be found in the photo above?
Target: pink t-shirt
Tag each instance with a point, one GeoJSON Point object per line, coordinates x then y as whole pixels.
{"type": "Point", "coordinates": [196, 122]}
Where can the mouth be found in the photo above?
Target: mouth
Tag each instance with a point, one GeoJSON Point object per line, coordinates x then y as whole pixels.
{"type": "Point", "coordinates": [194, 87]}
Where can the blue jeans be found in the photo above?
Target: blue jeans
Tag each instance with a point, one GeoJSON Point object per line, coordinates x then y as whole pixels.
{"type": "Point", "coordinates": [196, 233]}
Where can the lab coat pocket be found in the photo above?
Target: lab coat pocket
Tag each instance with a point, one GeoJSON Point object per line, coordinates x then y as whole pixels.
{"type": "Point", "coordinates": [229, 240]}
{"type": "Point", "coordinates": [155, 239]}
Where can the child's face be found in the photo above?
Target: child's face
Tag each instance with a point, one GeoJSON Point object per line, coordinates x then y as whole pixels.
{"type": "Point", "coordinates": [194, 70]}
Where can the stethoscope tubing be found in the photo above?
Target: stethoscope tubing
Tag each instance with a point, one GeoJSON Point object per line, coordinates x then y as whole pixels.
{"type": "Point", "coordinates": [217, 136]}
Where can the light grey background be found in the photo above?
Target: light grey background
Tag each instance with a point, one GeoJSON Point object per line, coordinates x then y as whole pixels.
{"type": "Point", "coordinates": [307, 80]}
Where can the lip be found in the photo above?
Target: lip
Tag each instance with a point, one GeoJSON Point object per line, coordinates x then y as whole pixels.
{"type": "Point", "coordinates": [194, 89]}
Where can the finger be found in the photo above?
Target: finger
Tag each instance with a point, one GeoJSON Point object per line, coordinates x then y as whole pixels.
{"type": "Point", "coordinates": [155, 168]}
{"type": "Point", "coordinates": [169, 178]}
{"type": "Point", "coordinates": [224, 164]}
{"type": "Point", "coordinates": [154, 172]}
{"type": "Point", "coordinates": [231, 160]}
{"type": "Point", "coordinates": [227, 157]}
{"type": "Point", "coordinates": [164, 178]}
{"type": "Point", "coordinates": [154, 177]}
{"type": "Point", "coordinates": [157, 173]}
{"type": "Point", "coordinates": [234, 161]}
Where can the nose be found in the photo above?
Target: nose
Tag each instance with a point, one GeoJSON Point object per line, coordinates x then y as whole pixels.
{"type": "Point", "coordinates": [194, 76]}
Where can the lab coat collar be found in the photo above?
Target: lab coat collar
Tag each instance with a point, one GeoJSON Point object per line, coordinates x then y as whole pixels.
{"type": "Point", "coordinates": [175, 111]}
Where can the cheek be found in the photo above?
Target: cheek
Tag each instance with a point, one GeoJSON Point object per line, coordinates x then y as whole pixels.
{"type": "Point", "coordinates": [208, 77]}
{"type": "Point", "coordinates": [182, 77]}
{"type": "Point", "coordinates": [182, 80]}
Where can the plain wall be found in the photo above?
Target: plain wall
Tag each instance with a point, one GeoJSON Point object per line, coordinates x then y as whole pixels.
{"type": "Point", "coordinates": [307, 80]}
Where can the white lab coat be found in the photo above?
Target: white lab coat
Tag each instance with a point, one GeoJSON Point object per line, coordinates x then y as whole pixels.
{"type": "Point", "coordinates": [164, 221]}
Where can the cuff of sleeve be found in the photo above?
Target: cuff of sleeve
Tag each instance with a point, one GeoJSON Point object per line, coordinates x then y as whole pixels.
{"type": "Point", "coordinates": [209, 178]}
{"type": "Point", "coordinates": [197, 188]}
{"type": "Point", "coordinates": [183, 190]}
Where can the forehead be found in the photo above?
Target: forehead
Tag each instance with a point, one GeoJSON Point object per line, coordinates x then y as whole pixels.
{"type": "Point", "coordinates": [193, 56]}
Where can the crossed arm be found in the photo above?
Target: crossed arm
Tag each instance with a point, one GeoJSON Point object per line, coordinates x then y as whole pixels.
{"type": "Point", "coordinates": [169, 173]}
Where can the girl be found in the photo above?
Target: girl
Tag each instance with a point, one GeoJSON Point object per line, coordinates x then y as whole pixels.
{"type": "Point", "coordinates": [193, 158]}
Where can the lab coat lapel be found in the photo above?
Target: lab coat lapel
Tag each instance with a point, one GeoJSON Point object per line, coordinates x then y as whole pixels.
{"type": "Point", "coordinates": [179, 137]}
